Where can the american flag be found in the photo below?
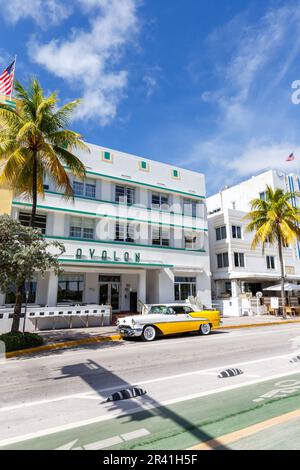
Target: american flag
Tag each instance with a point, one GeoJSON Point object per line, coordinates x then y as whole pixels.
{"type": "Point", "coordinates": [7, 80]}
{"type": "Point", "coordinates": [290, 158]}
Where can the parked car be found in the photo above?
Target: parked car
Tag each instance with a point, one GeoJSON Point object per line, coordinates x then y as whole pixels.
{"type": "Point", "coordinates": [168, 319]}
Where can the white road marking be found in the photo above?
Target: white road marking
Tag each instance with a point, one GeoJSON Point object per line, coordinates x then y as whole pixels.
{"type": "Point", "coordinates": [135, 434]}
{"type": "Point", "coordinates": [67, 446]}
{"type": "Point", "coordinates": [121, 413]}
{"type": "Point", "coordinates": [112, 441]}
{"type": "Point", "coordinates": [145, 382]}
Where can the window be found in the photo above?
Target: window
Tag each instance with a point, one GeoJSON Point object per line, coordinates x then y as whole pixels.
{"type": "Point", "coordinates": [176, 174]}
{"type": "Point", "coordinates": [160, 201]}
{"type": "Point", "coordinates": [125, 195]}
{"type": "Point", "coordinates": [228, 288]}
{"type": "Point", "coordinates": [190, 207]}
{"type": "Point", "coordinates": [85, 189]}
{"type": "Point", "coordinates": [239, 260]}
{"type": "Point", "coordinates": [271, 262]}
{"type": "Point", "coordinates": [125, 232]}
{"type": "Point", "coordinates": [221, 233]}
{"type": "Point", "coordinates": [144, 166]}
{"type": "Point", "coordinates": [223, 260]}
{"type": "Point", "coordinates": [107, 157]}
{"type": "Point", "coordinates": [82, 228]}
{"type": "Point", "coordinates": [190, 241]}
{"type": "Point", "coordinates": [40, 221]}
{"type": "Point", "coordinates": [185, 287]}
{"type": "Point", "coordinates": [263, 196]}
{"type": "Point", "coordinates": [180, 310]}
{"type": "Point", "coordinates": [11, 294]}
{"type": "Point", "coordinates": [236, 231]}
{"type": "Point", "coordinates": [70, 288]}
{"type": "Point", "coordinates": [160, 236]}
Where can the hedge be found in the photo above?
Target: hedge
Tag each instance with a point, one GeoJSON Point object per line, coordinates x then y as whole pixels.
{"type": "Point", "coordinates": [17, 341]}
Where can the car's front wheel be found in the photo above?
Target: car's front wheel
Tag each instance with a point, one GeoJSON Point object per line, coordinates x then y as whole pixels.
{"type": "Point", "coordinates": [149, 333]}
{"type": "Point", "coordinates": [205, 329]}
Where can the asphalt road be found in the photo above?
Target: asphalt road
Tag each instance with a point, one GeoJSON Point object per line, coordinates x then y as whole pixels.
{"type": "Point", "coordinates": [58, 399]}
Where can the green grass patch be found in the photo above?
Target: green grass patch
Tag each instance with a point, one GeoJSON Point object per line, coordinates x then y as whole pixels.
{"type": "Point", "coordinates": [18, 341]}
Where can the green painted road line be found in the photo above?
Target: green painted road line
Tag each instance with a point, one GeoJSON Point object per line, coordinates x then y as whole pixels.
{"type": "Point", "coordinates": [184, 424]}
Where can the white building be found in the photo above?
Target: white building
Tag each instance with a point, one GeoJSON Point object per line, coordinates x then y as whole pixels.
{"type": "Point", "coordinates": [135, 231]}
{"type": "Point", "coordinates": [236, 268]}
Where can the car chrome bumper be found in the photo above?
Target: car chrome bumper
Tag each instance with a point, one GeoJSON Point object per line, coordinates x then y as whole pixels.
{"type": "Point", "coordinates": [129, 332]}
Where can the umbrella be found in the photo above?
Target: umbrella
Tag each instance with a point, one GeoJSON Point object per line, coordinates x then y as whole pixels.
{"type": "Point", "coordinates": [288, 287]}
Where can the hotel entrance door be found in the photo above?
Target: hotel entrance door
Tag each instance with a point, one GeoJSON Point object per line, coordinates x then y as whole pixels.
{"type": "Point", "coordinates": [110, 291]}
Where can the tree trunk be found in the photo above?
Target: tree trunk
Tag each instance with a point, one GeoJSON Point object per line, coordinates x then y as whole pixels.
{"type": "Point", "coordinates": [34, 191]}
{"type": "Point", "coordinates": [18, 308]}
{"type": "Point", "coordinates": [282, 274]}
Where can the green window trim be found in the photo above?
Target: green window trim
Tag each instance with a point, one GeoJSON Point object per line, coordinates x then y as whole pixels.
{"type": "Point", "coordinates": [94, 214]}
{"type": "Point", "coordinates": [113, 242]}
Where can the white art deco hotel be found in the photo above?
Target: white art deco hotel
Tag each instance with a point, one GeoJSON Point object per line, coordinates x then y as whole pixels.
{"type": "Point", "coordinates": [135, 232]}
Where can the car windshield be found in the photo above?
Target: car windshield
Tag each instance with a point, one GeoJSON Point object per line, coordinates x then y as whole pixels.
{"type": "Point", "coordinates": [161, 309]}
{"type": "Point", "coordinates": [171, 310]}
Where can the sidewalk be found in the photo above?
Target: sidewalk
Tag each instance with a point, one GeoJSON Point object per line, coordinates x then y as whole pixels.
{"type": "Point", "coordinates": [57, 336]}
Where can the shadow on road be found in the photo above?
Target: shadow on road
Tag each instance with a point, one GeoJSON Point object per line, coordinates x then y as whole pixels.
{"type": "Point", "coordinates": [105, 382]}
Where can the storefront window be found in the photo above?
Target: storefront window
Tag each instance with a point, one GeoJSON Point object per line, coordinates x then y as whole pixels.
{"type": "Point", "coordinates": [11, 294]}
{"type": "Point", "coordinates": [70, 288]}
{"type": "Point", "coordinates": [185, 287]}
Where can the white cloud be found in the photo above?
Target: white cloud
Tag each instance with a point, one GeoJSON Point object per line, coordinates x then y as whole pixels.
{"type": "Point", "coordinates": [255, 158]}
{"type": "Point", "coordinates": [90, 59]}
{"type": "Point", "coordinates": [41, 11]}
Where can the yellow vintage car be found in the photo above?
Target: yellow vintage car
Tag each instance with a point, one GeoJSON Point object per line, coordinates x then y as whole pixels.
{"type": "Point", "coordinates": [168, 319]}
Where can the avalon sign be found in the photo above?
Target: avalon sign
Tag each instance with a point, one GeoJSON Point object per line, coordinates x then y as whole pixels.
{"type": "Point", "coordinates": [105, 256]}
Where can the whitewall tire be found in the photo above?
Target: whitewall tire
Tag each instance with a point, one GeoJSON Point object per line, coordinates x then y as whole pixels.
{"type": "Point", "coordinates": [205, 329]}
{"type": "Point", "coordinates": [149, 333]}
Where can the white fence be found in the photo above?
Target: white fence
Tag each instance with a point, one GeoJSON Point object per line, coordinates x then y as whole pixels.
{"type": "Point", "coordinates": [52, 318]}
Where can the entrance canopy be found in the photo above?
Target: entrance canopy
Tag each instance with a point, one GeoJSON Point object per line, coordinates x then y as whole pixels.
{"type": "Point", "coordinates": [288, 287]}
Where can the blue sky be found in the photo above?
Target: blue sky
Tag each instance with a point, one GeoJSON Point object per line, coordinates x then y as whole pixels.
{"type": "Point", "coordinates": [203, 84]}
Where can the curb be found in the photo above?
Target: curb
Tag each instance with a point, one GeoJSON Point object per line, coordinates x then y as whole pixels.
{"type": "Point", "coordinates": [256, 325]}
{"type": "Point", "coordinates": [63, 345]}
{"type": "Point", "coordinates": [116, 337]}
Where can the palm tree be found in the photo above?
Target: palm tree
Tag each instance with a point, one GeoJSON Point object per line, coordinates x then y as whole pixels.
{"type": "Point", "coordinates": [275, 220]}
{"type": "Point", "coordinates": [34, 143]}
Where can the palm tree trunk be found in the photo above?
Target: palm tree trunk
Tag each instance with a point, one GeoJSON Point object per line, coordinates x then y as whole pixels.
{"type": "Point", "coordinates": [282, 274]}
{"type": "Point", "coordinates": [34, 191]}
{"type": "Point", "coordinates": [18, 308]}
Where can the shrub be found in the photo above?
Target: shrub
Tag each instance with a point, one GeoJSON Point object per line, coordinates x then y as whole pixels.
{"type": "Point", "coordinates": [17, 341]}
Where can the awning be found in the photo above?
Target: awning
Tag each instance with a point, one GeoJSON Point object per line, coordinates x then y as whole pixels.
{"type": "Point", "coordinates": [288, 287]}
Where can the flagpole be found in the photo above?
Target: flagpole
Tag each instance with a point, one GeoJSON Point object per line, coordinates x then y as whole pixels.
{"type": "Point", "coordinates": [13, 77]}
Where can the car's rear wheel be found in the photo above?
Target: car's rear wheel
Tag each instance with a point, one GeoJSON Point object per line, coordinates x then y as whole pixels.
{"type": "Point", "coordinates": [205, 329]}
{"type": "Point", "coordinates": [149, 333]}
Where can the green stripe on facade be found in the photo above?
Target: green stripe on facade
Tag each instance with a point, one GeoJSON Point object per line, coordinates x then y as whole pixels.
{"type": "Point", "coordinates": [105, 216]}
{"type": "Point", "coordinates": [138, 206]}
{"type": "Point", "coordinates": [148, 185]}
{"type": "Point", "coordinates": [158, 265]}
{"type": "Point", "coordinates": [50, 237]}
